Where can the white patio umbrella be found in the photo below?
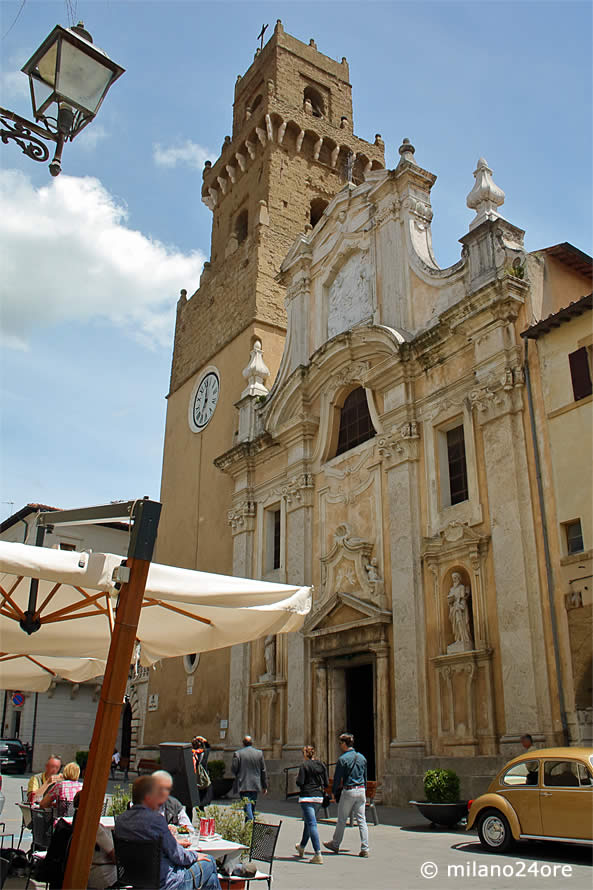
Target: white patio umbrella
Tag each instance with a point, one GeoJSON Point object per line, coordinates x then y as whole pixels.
{"type": "Point", "coordinates": [29, 673]}
{"type": "Point", "coordinates": [183, 611]}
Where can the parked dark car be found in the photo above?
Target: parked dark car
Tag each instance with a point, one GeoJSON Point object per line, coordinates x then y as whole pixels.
{"type": "Point", "coordinates": [13, 756]}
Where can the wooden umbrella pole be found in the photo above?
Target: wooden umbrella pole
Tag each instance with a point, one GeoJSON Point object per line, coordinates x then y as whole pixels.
{"type": "Point", "coordinates": [123, 640]}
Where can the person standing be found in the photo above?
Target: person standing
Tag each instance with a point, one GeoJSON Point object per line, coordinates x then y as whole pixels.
{"type": "Point", "coordinates": [249, 769]}
{"type": "Point", "coordinates": [200, 752]}
{"type": "Point", "coordinates": [349, 789]}
{"type": "Point", "coordinates": [526, 742]}
{"type": "Point", "coordinates": [312, 781]}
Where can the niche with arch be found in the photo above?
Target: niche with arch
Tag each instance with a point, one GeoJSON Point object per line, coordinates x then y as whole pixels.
{"type": "Point", "coordinates": [316, 209]}
{"type": "Point", "coordinates": [310, 94]}
{"type": "Point", "coordinates": [241, 228]}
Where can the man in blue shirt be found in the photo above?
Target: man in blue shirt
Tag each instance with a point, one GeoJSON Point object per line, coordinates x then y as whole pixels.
{"type": "Point", "coordinates": [180, 869]}
{"type": "Point", "coordinates": [349, 787]}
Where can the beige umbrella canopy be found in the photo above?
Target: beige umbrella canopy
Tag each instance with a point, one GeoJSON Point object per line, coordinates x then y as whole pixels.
{"type": "Point", "coordinates": [28, 673]}
{"type": "Point", "coordinates": [182, 611]}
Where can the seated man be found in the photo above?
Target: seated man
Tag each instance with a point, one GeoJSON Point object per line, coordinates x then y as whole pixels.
{"type": "Point", "coordinates": [39, 784]}
{"type": "Point", "coordinates": [61, 793]}
{"type": "Point", "coordinates": [180, 869]}
{"type": "Point", "coordinates": [171, 808]}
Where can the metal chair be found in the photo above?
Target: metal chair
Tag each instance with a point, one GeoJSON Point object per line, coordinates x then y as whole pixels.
{"type": "Point", "coordinates": [4, 833]}
{"type": "Point", "coordinates": [4, 866]}
{"type": "Point", "coordinates": [138, 863]}
{"type": "Point", "coordinates": [42, 823]}
{"type": "Point", "coordinates": [263, 846]}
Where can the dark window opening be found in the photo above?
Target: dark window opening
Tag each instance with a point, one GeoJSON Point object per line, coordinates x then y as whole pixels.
{"type": "Point", "coordinates": [457, 465]}
{"type": "Point", "coordinates": [64, 546]}
{"type": "Point", "coordinates": [356, 425]}
{"type": "Point", "coordinates": [276, 547]}
{"type": "Point", "coordinates": [255, 103]}
{"type": "Point", "coordinates": [318, 205]}
{"type": "Point", "coordinates": [580, 372]}
{"type": "Point", "coordinates": [241, 226]}
{"type": "Point", "coordinates": [316, 100]}
{"type": "Point", "coordinates": [574, 536]}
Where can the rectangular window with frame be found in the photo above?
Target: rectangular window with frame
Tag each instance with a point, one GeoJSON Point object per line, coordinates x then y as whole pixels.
{"type": "Point", "coordinates": [574, 536]}
{"type": "Point", "coordinates": [457, 465]}
{"type": "Point", "coordinates": [580, 373]}
{"type": "Point", "coordinates": [273, 539]}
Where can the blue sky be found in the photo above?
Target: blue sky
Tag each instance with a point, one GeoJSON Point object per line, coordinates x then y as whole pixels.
{"type": "Point", "coordinates": [93, 262]}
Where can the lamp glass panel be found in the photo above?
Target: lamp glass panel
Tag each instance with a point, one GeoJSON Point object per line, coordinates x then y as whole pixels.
{"type": "Point", "coordinates": [42, 91]}
{"type": "Point", "coordinates": [82, 79]}
{"type": "Point", "coordinates": [47, 65]}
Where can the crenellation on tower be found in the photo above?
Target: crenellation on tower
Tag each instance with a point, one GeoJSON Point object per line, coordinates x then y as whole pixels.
{"type": "Point", "coordinates": [291, 151]}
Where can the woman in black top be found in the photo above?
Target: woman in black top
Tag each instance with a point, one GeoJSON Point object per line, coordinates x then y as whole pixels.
{"type": "Point", "coordinates": [312, 781]}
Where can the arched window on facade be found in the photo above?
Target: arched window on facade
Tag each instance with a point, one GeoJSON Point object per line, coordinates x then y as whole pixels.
{"type": "Point", "coordinates": [316, 100]}
{"type": "Point", "coordinates": [318, 205]}
{"type": "Point", "coordinates": [241, 226]}
{"type": "Point", "coordinates": [356, 425]}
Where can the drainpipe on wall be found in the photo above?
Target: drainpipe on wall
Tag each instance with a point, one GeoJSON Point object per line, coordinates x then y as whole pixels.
{"type": "Point", "coordinates": [4, 711]}
{"type": "Point", "coordinates": [547, 556]}
{"type": "Point", "coordinates": [26, 532]}
{"type": "Point", "coordinates": [34, 730]}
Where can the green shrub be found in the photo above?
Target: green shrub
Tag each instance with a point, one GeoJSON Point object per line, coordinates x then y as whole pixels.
{"type": "Point", "coordinates": [441, 786]}
{"type": "Point", "coordinates": [216, 769]}
{"type": "Point", "coordinates": [81, 758]}
{"type": "Point", "coordinates": [120, 800]}
{"type": "Point", "coordinates": [230, 822]}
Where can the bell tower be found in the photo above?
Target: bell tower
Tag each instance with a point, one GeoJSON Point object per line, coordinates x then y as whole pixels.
{"type": "Point", "coordinates": [291, 151]}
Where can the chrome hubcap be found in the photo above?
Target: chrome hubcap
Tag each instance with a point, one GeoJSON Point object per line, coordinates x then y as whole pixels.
{"type": "Point", "coordinates": [493, 830]}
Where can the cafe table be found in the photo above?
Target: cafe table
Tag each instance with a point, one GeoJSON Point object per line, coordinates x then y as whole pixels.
{"type": "Point", "coordinates": [106, 821]}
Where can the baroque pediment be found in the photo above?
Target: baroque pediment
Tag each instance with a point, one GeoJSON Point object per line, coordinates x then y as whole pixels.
{"type": "Point", "coordinates": [456, 537]}
{"type": "Point", "coordinates": [349, 567]}
{"type": "Point", "coordinates": [343, 611]}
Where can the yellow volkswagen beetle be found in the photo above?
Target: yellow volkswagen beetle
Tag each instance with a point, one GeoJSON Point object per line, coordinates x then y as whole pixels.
{"type": "Point", "coordinates": [544, 794]}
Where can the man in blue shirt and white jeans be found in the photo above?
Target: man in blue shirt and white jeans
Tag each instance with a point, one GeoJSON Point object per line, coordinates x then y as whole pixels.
{"type": "Point", "coordinates": [180, 869]}
{"type": "Point", "coordinates": [349, 789]}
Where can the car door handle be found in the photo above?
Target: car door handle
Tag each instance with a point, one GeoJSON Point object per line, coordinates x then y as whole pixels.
{"type": "Point", "coordinates": [546, 793]}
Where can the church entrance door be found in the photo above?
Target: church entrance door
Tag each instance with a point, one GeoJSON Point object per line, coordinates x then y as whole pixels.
{"type": "Point", "coordinates": [360, 711]}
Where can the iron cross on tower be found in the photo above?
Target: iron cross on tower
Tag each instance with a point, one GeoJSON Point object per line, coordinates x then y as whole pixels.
{"type": "Point", "coordinates": [260, 36]}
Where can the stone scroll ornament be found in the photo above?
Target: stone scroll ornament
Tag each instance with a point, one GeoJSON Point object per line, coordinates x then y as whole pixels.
{"type": "Point", "coordinates": [458, 600]}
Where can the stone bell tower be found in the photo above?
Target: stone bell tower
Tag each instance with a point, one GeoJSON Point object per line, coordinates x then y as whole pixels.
{"type": "Point", "coordinates": [291, 151]}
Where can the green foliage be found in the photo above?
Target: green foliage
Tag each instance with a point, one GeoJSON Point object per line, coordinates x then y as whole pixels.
{"type": "Point", "coordinates": [230, 822]}
{"type": "Point", "coordinates": [82, 759]}
{"type": "Point", "coordinates": [120, 800]}
{"type": "Point", "coordinates": [441, 786]}
{"type": "Point", "coordinates": [216, 769]}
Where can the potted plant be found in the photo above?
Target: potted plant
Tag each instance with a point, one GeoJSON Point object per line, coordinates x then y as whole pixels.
{"type": "Point", "coordinates": [442, 805]}
{"type": "Point", "coordinates": [231, 824]}
{"type": "Point", "coordinates": [120, 799]}
{"type": "Point", "coordinates": [220, 785]}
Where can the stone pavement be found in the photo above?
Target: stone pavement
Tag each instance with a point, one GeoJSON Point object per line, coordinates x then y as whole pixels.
{"type": "Point", "coordinates": [399, 847]}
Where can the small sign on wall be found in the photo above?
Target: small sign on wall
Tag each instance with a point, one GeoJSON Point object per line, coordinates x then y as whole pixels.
{"type": "Point", "coordinates": [224, 724]}
{"type": "Point", "coordinates": [153, 702]}
{"type": "Point", "coordinates": [18, 699]}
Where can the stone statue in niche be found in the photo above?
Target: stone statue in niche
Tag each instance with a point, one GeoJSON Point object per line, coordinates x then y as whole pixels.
{"type": "Point", "coordinates": [458, 600]}
{"type": "Point", "coordinates": [376, 582]}
{"type": "Point", "coordinates": [269, 658]}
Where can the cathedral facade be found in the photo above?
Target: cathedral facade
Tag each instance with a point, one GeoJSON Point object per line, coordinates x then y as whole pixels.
{"type": "Point", "coordinates": [344, 413]}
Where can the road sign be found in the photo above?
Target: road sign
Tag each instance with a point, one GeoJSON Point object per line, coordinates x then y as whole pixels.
{"type": "Point", "coordinates": [18, 699]}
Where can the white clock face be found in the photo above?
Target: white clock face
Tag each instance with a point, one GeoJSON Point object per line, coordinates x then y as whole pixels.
{"type": "Point", "coordinates": [204, 400]}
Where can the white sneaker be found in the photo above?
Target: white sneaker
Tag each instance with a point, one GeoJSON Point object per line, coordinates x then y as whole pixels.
{"type": "Point", "coordinates": [317, 859]}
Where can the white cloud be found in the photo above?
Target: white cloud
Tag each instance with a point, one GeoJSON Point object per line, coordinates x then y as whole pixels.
{"type": "Point", "coordinates": [68, 255]}
{"type": "Point", "coordinates": [91, 136]}
{"type": "Point", "coordinates": [187, 152]}
{"type": "Point", "coordinates": [13, 83]}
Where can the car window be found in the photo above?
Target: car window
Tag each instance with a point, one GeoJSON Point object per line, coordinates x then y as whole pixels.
{"type": "Point", "coordinates": [584, 776]}
{"type": "Point", "coordinates": [524, 773]}
{"type": "Point", "coordinates": [561, 773]}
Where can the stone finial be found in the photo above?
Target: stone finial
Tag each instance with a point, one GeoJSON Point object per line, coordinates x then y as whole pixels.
{"type": "Point", "coordinates": [207, 168]}
{"type": "Point", "coordinates": [407, 151]}
{"type": "Point", "coordinates": [256, 372]}
{"type": "Point", "coordinates": [312, 43]}
{"type": "Point", "coordinates": [485, 196]}
{"type": "Point", "coordinates": [379, 140]}
{"type": "Point", "coordinates": [183, 295]}
{"type": "Point", "coordinates": [344, 123]}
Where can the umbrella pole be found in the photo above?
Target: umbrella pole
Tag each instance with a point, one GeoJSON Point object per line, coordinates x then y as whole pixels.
{"type": "Point", "coordinates": [121, 650]}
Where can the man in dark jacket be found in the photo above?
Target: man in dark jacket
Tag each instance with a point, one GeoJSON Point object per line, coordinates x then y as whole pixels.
{"type": "Point", "coordinates": [349, 785]}
{"type": "Point", "coordinates": [249, 769]}
{"type": "Point", "coordinates": [171, 808]}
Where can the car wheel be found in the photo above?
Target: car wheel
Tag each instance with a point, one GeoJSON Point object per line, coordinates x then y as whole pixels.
{"type": "Point", "coordinates": [495, 831]}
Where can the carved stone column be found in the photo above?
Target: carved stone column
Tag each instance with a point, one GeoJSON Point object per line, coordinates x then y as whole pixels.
{"type": "Point", "coordinates": [399, 450]}
{"type": "Point", "coordinates": [518, 597]}
{"type": "Point", "coordinates": [242, 521]}
{"type": "Point", "coordinates": [382, 708]}
{"type": "Point", "coordinates": [321, 715]}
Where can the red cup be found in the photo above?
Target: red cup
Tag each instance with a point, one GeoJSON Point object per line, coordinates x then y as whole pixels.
{"type": "Point", "coordinates": [212, 827]}
{"type": "Point", "coordinates": [204, 827]}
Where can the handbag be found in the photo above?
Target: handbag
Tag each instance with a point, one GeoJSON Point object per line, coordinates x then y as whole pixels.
{"type": "Point", "coordinates": [203, 779]}
{"type": "Point", "coordinates": [326, 800]}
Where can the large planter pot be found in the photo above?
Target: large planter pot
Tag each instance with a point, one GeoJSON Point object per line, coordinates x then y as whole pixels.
{"type": "Point", "coordinates": [448, 814]}
{"type": "Point", "coordinates": [221, 787]}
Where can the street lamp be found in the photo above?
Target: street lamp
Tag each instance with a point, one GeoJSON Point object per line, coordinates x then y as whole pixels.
{"type": "Point", "coordinates": [69, 77]}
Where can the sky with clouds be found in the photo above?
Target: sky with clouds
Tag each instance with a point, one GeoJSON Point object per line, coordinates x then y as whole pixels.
{"type": "Point", "coordinates": [93, 261]}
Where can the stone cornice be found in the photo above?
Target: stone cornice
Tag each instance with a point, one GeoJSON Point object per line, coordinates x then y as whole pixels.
{"type": "Point", "coordinates": [237, 457]}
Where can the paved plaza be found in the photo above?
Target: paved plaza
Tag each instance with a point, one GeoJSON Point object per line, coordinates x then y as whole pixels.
{"type": "Point", "coordinates": [401, 846]}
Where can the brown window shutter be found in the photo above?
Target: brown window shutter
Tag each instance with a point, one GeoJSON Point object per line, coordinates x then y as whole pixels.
{"type": "Point", "coordinates": [580, 373]}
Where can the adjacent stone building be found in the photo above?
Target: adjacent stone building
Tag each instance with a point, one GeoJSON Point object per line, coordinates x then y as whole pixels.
{"type": "Point", "coordinates": [378, 445]}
